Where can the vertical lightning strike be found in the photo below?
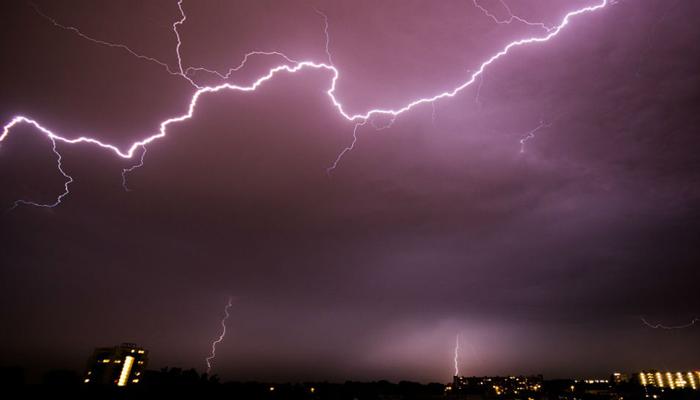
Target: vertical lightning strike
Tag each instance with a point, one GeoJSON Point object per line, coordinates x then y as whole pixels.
{"type": "Point", "coordinates": [177, 35]}
{"type": "Point", "coordinates": [179, 43]}
{"type": "Point", "coordinates": [531, 134]}
{"type": "Point", "coordinates": [359, 119]}
{"type": "Point", "coordinates": [457, 356]}
{"type": "Point", "coordinates": [325, 32]}
{"type": "Point", "coordinates": [212, 356]}
{"type": "Point", "coordinates": [659, 326]}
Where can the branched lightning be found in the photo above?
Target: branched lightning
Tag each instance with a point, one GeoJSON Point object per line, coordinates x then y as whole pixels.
{"type": "Point", "coordinates": [187, 72]}
{"type": "Point", "coordinates": [104, 42]}
{"type": "Point", "coordinates": [511, 17]}
{"type": "Point", "coordinates": [290, 67]}
{"type": "Point", "coordinates": [126, 171]}
{"type": "Point", "coordinates": [212, 356]}
{"type": "Point", "coordinates": [672, 327]}
{"type": "Point", "coordinates": [68, 181]}
{"type": "Point", "coordinates": [224, 76]}
{"type": "Point", "coordinates": [179, 43]}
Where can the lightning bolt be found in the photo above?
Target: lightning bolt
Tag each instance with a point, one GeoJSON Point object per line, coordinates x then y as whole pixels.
{"type": "Point", "coordinates": [179, 43]}
{"type": "Point", "coordinates": [478, 90]}
{"type": "Point", "coordinates": [659, 326]}
{"type": "Point", "coordinates": [531, 134]}
{"type": "Point", "coordinates": [187, 72]}
{"type": "Point", "coordinates": [126, 171]}
{"type": "Point", "coordinates": [69, 180]}
{"type": "Point", "coordinates": [330, 169]}
{"type": "Point", "coordinates": [325, 32]}
{"type": "Point", "coordinates": [226, 75]}
{"type": "Point", "coordinates": [212, 356]}
{"type": "Point", "coordinates": [457, 356]}
{"type": "Point", "coordinates": [293, 67]}
{"type": "Point", "coordinates": [121, 46]}
{"type": "Point", "coordinates": [512, 17]}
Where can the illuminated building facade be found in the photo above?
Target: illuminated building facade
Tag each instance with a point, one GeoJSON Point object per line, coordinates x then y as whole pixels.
{"type": "Point", "coordinates": [119, 365]}
{"type": "Point", "coordinates": [670, 380]}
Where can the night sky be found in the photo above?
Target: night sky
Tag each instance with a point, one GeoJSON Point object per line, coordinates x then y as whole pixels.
{"type": "Point", "coordinates": [542, 260]}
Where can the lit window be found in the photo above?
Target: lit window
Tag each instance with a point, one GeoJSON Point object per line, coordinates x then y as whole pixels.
{"type": "Point", "coordinates": [126, 370]}
{"type": "Point", "coordinates": [692, 380]}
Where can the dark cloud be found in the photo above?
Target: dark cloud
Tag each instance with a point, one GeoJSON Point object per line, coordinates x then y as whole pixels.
{"type": "Point", "coordinates": [433, 227]}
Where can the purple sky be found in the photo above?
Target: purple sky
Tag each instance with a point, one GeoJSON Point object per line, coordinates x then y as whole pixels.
{"type": "Point", "coordinates": [543, 261]}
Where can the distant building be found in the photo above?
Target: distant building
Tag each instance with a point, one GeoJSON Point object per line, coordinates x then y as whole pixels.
{"type": "Point", "coordinates": [669, 380]}
{"type": "Point", "coordinates": [119, 365]}
{"type": "Point", "coordinates": [619, 378]}
{"type": "Point", "coordinates": [459, 383]}
{"type": "Point", "coordinates": [594, 387]}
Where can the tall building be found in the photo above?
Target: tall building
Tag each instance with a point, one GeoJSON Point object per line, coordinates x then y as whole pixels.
{"type": "Point", "coordinates": [119, 365]}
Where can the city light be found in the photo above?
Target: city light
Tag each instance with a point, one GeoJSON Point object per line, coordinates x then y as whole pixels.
{"type": "Point", "coordinates": [126, 370]}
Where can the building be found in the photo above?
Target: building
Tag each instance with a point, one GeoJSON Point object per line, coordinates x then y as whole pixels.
{"type": "Point", "coordinates": [618, 378]}
{"type": "Point", "coordinates": [459, 383]}
{"type": "Point", "coordinates": [497, 385]}
{"type": "Point", "coordinates": [119, 365]}
{"type": "Point", "coordinates": [669, 380]}
{"type": "Point", "coordinates": [594, 387]}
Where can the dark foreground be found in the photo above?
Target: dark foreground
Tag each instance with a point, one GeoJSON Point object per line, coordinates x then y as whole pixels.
{"type": "Point", "coordinates": [177, 383]}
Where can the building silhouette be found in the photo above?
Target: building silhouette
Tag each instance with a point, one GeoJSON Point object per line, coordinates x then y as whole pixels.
{"type": "Point", "coordinates": [496, 385]}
